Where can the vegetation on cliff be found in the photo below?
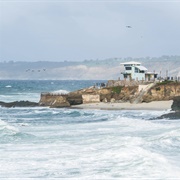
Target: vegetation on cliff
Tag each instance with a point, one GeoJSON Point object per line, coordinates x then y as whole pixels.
{"type": "Point", "coordinates": [117, 89]}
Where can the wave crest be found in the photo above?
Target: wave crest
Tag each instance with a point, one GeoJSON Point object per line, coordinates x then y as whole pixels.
{"type": "Point", "coordinates": [61, 91]}
{"type": "Point", "coordinates": [6, 129]}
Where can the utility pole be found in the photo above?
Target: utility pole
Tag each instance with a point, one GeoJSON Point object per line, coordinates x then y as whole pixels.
{"type": "Point", "coordinates": [166, 74]}
{"type": "Point", "coordinates": [159, 76]}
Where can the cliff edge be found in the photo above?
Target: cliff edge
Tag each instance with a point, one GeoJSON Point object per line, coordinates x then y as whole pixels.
{"type": "Point", "coordinates": [166, 90]}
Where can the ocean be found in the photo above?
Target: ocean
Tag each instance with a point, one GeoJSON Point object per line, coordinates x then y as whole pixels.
{"type": "Point", "coordinates": [48, 143]}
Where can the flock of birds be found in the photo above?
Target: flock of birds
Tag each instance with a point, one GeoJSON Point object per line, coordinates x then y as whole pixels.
{"type": "Point", "coordinates": [43, 70]}
{"type": "Point", "coordinates": [33, 70]}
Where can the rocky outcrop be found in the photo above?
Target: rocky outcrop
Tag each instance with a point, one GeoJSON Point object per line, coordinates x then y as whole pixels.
{"type": "Point", "coordinates": [176, 104]}
{"type": "Point", "coordinates": [151, 92]}
{"type": "Point", "coordinates": [162, 91]}
{"type": "Point", "coordinates": [91, 98]}
{"type": "Point", "coordinates": [53, 100]}
{"type": "Point", "coordinates": [19, 104]}
{"type": "Point", "coordinates": [125, 94]}
{"type": "Point", "coordinates": [74, 99]}
{"type": "Point", "coordinates": [137, 93]}
{"type": "Point", "coordinates": [175, 107]}
{"type": "Point", "coordinates": [172, 115]}
{"type": "Point", "coordinates": [143, 89]}
{"type": "Point", "coordinates": [89, 95]}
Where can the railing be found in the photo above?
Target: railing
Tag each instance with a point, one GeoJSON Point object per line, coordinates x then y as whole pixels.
{"type": "Point", "coordinates": [52, 94]}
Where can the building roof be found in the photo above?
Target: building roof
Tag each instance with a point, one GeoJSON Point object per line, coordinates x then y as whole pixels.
{"type": "Point", "coordinates": [141, 68]}
{"type": "Point", "coordinates": [132, 62]}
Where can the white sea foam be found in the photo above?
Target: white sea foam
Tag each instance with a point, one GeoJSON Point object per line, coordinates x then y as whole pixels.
{"type": "Point", "coordinates": [5, 128]}
{"type": "Point", "coordinates": [61, 91]}
{"type": "Point", "coordinates": [8, 86]}
{"type": "Point", "coordinates": [2, 123]}
{"type": "Point", "coordinates": [92, 144]}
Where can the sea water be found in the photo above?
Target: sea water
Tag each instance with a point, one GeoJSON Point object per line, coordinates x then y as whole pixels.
{"type": "Point", "coordinates": [49, 143]}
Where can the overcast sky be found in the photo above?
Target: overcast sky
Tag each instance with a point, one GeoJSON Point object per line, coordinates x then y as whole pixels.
{"type": "Point", "coordinates": [77, 30]}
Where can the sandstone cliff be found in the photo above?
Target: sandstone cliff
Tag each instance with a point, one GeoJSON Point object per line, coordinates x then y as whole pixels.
{"type": "Point", "coordinates": [88, 95]}
{"type": "Point", "coordinates": [162, 91]}
{"type": "Point", "coordinates": [158, 92]}
{"type": "Point", "coordinates": [53, 100]}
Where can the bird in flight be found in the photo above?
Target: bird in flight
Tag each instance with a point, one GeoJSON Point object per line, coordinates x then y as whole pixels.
{"type": "Point", "coordinates": [128, 26]}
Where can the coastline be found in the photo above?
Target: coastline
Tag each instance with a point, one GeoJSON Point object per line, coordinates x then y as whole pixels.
{"type": "Point", "coordinates": [154, 105]}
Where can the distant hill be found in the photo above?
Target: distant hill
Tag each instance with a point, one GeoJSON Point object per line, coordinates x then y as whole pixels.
{"type": "Point", "coordinates": [88, 69]}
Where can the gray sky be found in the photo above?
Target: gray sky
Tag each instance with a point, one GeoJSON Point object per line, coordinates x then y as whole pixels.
{"type": "Point", "coordinates": [77, 30]}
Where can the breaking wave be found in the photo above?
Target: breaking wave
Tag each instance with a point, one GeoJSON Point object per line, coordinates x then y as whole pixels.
{"type": "Point", "coordinates": [43, 143]}
{"type": "Point", "coordinates": [12, 134]}
{"type": "Point", "coordinates": [60, 92]}
{"type": "Point", "coordinates": [6, 129]}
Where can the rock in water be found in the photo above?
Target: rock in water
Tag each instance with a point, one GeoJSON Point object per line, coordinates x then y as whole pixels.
{"type": "Point", "coordinates": [175, 107]}
{"type": "Point", "coordinates": [19, 104]}
{"type": "Point", "coordinates": [176, 104]}
{"type": "Point", "coordinates": [172, 115]}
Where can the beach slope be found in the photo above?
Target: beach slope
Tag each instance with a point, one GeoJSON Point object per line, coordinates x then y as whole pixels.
{"type": "Point", "coordinates": [154, 105]}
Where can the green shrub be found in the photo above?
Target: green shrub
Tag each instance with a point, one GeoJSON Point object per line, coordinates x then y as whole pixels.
{"type": "Point", "coordinates": [165, 82]}
{"type": "Point", "coordinates": [117, 89]}
{"type": "Point", "coordinates": [158, 89]}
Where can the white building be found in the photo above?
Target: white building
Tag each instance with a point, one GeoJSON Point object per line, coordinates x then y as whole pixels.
{"type": "Point", "coordinates": [134, 71]}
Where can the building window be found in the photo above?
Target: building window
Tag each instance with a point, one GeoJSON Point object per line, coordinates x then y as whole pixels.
{"type": "Point", "coordinates": [128, 68]}
{"type": "Point", "coordinates": [136, 70]}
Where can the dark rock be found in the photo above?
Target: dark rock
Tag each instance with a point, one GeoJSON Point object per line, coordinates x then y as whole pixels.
{"type": "Point", "coordinates": [74, 99]}
{"type": "Point", "coordinates": [175, 107]}
{"type": "Point", "coordinates": [172, 115]}
{"type": "Point", "coordinates": [105, 97]}
{"type": "Point", "coordinates": [19, 104]}
{"type": "Point", "coordinates": [176, 104]}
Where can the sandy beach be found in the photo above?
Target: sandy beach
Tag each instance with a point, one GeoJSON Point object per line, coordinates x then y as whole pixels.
{"type": "Point", "coordinates": [155, 105]}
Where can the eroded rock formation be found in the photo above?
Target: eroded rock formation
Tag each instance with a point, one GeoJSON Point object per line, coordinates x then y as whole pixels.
{"type": "Point", "coordinates": [162, 91]}
{"type": "Point", "coordinates": [88, 95]}
{"type": "Point", "coordinates": [158, 92]}
{"type": "Point", "coordinates": [54, 100]}
{"type": "Point", "coordinates": [18, 104]}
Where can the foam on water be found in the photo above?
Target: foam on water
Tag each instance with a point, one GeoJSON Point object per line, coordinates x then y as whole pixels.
{"type": "Point", "coordinates": [7, 132]}
{"type": "Point", "coordinates": [61, 91]}
{"type": "Point", "coordinates": [8, 86]}
{"type": "Point", "coordinates": [5, 128]}
{"type": "Point", "coordinates": [93, 150]}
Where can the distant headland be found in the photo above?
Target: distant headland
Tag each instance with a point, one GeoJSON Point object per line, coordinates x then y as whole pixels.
{"type": "Point", "coordinates": [89, 69]}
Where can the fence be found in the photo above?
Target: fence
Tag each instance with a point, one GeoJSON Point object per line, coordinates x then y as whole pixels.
{"type": "Point", "coordinates": [52, 94]}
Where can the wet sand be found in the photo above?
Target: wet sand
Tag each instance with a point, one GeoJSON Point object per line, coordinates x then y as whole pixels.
{"type": "Point", "coordinates": [155, 105]}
